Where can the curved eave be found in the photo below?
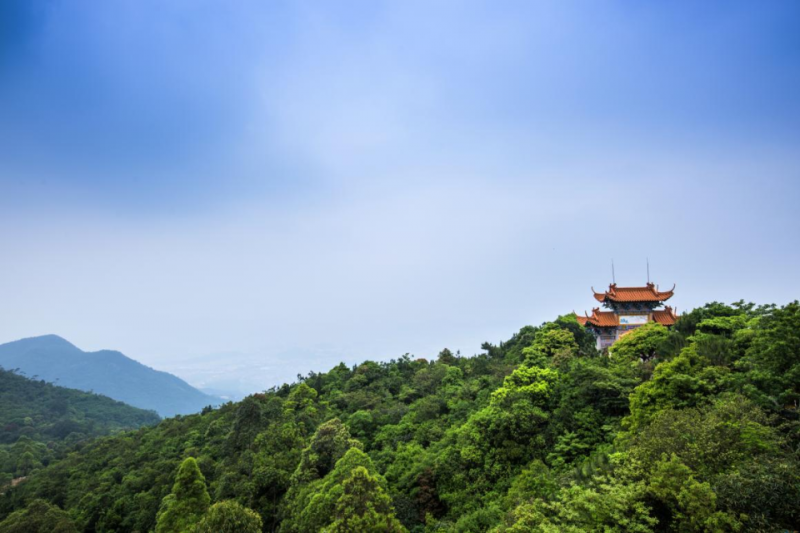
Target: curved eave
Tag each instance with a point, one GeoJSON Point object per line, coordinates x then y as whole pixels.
{"type": "Point", "coordinates": [582, 320]}
{"type": "Point", "coordinates": [665, 317]}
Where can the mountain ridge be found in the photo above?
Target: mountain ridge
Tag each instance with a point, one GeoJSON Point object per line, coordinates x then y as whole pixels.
{"type": "Point", "coordinates": [109, 372]}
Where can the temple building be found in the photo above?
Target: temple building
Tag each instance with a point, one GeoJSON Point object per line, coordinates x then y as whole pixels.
{"type": "Point", "coordinates": [628, 308]}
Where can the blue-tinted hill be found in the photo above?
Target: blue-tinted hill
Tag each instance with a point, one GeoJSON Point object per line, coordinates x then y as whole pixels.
{"type": "Point", "coordinates": [106, 372]}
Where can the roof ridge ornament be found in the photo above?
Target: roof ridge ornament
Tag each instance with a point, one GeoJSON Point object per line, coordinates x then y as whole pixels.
{"type": "Point", "coordinates": [613, 274]}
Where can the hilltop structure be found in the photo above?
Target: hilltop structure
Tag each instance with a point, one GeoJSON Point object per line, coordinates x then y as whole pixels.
{"type": "Point", "coordinates": [628, 308]}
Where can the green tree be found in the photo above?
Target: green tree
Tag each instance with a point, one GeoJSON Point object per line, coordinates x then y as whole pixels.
{"type": "Point", "coordinates": [610, 505]}
{"type": "Point", "coordinates": [583, 337]}
{"type": "Point", "coordinates": [38, 517]}
{"type": "Point", "coordinates": [27, 463]}
{"type": "Point", "coordinates": [324, 463]}
{"type": "Point", "coordinates": [311, 505]}
{"type": "Point", "coordinates": [277, 453]}
{"type": "Point", "coordinates": [640, 344]}
{"type": "Point", "coordinates": [184, 508]}
{"type": "Point", "coordinates": [364, 506]}
{"type": "Point", "coordinates": [497, 441]}
{"type": "Point", "coordinates": [692, 504]}
{"type": "Point", "coordinates": [229, 517]}
{"type": "Point", "coordinates": [686, 381]}
{"type": "Point", "coordinates": [535, 481]}
{"type": "Point", "coordinates": [550, 343]}
{"type": "Point", "coordinates": [329, 443]}
{"type": "Point", "coordinates": [728, 445]}
{"type": "Point", "coordinates": [687, 324]}
{"type": "Point", "coordinates": [776, 349]}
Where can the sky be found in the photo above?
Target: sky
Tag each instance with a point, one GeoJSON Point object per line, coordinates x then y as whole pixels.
{"type": "Point", "coordinates": [240, 192]}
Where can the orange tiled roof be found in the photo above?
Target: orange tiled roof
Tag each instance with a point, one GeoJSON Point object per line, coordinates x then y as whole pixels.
{"type": "Point", "coordinates": [603, 319]}
{"type": "Point", "coordinates": [609, 319]}
{"type": "Point", "coordinates": [648, 293]}
{"type": "Point", "coordinates": [665, 317]}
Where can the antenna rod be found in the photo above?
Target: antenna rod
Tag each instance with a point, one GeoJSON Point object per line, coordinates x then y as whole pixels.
{"type": "Point", "coordinates": [648, 271]}
{"type": "Point", "coordinates": [613, 276]}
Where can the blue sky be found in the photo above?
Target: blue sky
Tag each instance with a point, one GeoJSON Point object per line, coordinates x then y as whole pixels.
{"type": "Point", "coordinates": [294, 183]}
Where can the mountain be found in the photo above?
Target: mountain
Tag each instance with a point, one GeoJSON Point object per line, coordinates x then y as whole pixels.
{"type": "Point", "coordinates": [106, 372]}
{"type": "Point", "coordinates": [38, 420]}
{"type": "Point", "coordinates": [693, 428]}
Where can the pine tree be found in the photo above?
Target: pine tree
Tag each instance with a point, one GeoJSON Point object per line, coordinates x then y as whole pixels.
{"type": "Point", "coordinates": [183, 509]}
{"type": "Point", "coordinates": [364, 507]}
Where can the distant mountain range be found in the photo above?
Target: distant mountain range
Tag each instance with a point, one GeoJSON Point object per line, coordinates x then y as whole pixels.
{"type": "Point", "coordinates": [106, 372]}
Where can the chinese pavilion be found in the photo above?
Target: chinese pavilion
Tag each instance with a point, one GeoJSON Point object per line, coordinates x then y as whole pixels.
{"type": "Point", "coordinates": [628, 308]}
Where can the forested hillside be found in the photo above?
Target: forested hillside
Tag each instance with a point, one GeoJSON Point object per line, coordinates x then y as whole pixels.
{"type": "Point", "coordinates": [691, 429]}
{"type": "Point", "coordinates": [106, 372]}
{"type": "Point", "coordinates": [39, 420]}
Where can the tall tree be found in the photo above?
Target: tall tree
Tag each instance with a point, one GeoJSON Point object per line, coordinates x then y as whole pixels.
{"type": "Point", "coordinates": [183, 509]}
{"type": "Point", "coordinates": [364, 507]}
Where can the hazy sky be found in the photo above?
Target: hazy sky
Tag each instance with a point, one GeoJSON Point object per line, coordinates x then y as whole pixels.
{"type": "Point", "coordinates": [254, 189]}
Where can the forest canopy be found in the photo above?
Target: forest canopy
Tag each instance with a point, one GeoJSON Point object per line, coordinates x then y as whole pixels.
{"type": "Point", "coordinates": [40, 421]}
{"type": "Point", "coordinates": [693, 428]}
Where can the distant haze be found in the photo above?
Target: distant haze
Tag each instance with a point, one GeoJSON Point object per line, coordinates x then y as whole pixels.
{"type": "Point", "coordinates": [237, 192]}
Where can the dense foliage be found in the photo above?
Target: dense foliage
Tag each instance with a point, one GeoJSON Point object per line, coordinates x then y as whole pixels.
{"type": "Point", "coordinates": [39, 421]}
{"type": "Point", "coordinates": [696, 428]}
